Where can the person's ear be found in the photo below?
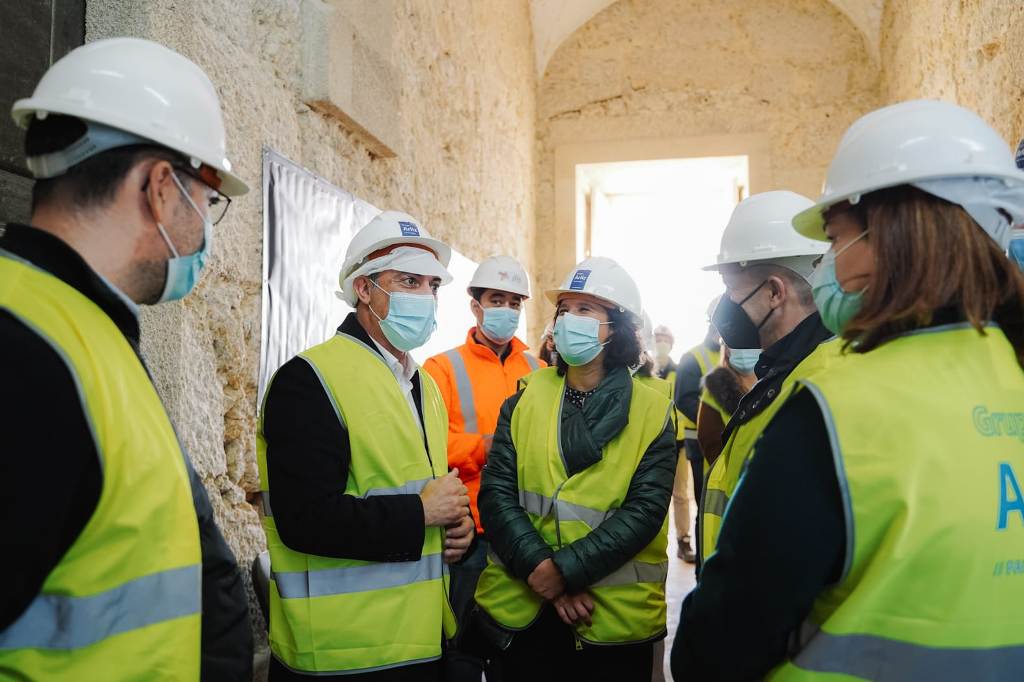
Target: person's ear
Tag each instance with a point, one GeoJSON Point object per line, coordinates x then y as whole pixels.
{"type": "Point", "coordinates": [776, 291]}
{"type": "Point", "coordinates": [363, 288]}
{"type": "Point", "coordinates": [161, 191]}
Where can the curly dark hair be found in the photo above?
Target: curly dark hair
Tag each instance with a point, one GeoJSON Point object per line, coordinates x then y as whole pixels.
{"type": "Point", "coordinates": [623, 348]}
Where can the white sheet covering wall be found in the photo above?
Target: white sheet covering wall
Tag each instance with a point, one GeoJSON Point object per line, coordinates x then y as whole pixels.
{"type": "Point", "coordinates": [307, 225]}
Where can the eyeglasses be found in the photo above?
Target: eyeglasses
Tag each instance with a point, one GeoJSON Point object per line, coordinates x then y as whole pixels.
{"type": "Point", "coordinates": [218, 203]}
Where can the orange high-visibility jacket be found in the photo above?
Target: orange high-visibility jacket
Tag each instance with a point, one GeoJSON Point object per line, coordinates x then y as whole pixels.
{"type": "Point", "coordinates": [474, 382]}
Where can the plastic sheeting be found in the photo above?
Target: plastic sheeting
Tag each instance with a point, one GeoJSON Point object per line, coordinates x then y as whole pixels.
{"type": "Point", "coordinates": [307, 225]}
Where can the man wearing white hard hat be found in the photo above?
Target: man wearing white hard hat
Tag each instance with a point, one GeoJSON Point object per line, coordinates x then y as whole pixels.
{"type": "Point", "coordinates": [575, 498]}
{"type": "Point", "coordinates": [475, 379]}
{"type": "Point", "coordinates": [878, 576]}
{"type": "Point", "coordinates": [767, 305]}
{"type": "Point", "coordinates": [118, 570]}
{"type": "Point", "coordinates": [360, 510]}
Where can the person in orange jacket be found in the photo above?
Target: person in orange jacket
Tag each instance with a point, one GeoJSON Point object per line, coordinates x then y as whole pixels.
{"type": "Point", "coordinates": [475, 379]}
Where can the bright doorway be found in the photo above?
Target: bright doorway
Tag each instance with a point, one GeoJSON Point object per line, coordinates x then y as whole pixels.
{"type": "Point", "coordinates": [662, 220]}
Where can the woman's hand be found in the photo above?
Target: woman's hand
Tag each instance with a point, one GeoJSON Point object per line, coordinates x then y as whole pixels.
{"type": "Point", "coordinates": [574, 608]}
{"type": "Point", "coordinates": [546, 580]}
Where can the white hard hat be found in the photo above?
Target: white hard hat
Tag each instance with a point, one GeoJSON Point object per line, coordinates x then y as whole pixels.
{"type": "Point", "coordinates": [760, 230]}
{"type": "Point", "coordinates": [383, 236]}
{"type": "Point", "coordinates": [919, 140]}
{"type": "Point", "coordinates": [142, 88]}
{"type": "Point", "coordinates": [604, 279]}
{"type": "Point", "coordinates": [503, 273]}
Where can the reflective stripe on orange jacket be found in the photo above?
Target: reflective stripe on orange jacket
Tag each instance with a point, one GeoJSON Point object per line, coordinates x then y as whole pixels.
{"type": "Point", "coordinates": [474, 383]}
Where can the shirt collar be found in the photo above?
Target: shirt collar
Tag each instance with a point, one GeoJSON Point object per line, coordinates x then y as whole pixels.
{"type": "Point", "coordinates": [351, 327]}
{"type": "Point", "coordinates": [56, 257]}
{"type": "Point", "coordinates": [405, 368]}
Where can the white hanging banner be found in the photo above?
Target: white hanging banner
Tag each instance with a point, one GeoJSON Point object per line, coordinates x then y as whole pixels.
{"type": "Point", "coordinates": [307, 225]}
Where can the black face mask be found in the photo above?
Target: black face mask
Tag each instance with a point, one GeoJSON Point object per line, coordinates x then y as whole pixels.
{"type": "Point", "coordinates": [734, 324]}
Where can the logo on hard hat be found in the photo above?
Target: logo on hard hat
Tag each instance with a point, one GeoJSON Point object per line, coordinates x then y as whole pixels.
{"type": "Point", "coordinates": [409, 229]}
{"type": "Point", "coordinates": [579, 280]}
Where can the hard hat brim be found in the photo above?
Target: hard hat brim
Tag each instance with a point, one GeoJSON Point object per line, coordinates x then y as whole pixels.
{"type": "Point", "coordinates": [469, 290]}
{"type": "Point", "coordinates": [553, 294]}
{"type": "Point", "coordinates": [24, 109]}
{"type": "Point", "coordinates": [766, 258]}
{"type": "Point", "coordinates": [811, 222]}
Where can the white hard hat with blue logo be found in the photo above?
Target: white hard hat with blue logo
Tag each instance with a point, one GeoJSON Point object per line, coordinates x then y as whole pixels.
{"type": "Point", "coordinates": [378, 244]}
{"type": "Point", "coordinates": [603, 279]}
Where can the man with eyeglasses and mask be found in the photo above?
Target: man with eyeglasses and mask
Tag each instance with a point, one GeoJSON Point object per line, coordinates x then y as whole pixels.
{"type": "Point", "coordinates": [361, 513]}
{"type": "Point", "coordinates": [114, 566]}
{"type": "Point", "coordinates": [768, 304]}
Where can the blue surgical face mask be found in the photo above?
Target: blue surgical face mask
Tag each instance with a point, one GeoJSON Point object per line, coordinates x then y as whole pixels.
{"type": "Point", "coordinates": [1016, 250]}
{"type": "Point", "coordinates": [411, 319]}
{"type": "Point", "coordinates": [183, 271]}
{"type": "Point", "coordinates": [837, 307]}
{"type": "Point", "coordinates": [500, 324]}
{"type": "Point", "coordinates": [576, 338]}
{"type": "Point", "coordinates": [743, 360]}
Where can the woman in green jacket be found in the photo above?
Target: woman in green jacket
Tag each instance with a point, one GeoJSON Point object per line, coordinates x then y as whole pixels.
{"type": "Point", "coordinates": [576, 495]}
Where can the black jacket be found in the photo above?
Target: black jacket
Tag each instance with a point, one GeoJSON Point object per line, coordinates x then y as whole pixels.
{"type": "Point", "coordinates": [774, 365]}
{"type": "Point", "coordinates": [308, 458]}
{"type": "Point", "coordinates": [584, 433]}
{"type": "Point", "coordinates": [50, 473]}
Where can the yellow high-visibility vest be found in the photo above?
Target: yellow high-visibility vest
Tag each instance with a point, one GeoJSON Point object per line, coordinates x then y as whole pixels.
{"type": "Point", "coordinates": [124, 601]}
{"type": "Point", "coordinates": [930, 590]}
{"type": "Point", "coordinates": [726, 471]}
{"type": "Point", "coordinates": [629, 603]}
{"type": "Point", "coordinates": [344, 615]}
{"type": "Point", "coordinates": [707, 360]}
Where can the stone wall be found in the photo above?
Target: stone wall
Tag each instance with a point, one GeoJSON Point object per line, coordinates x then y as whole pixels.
{"type": "Point", "coordinates": [466, 113]}
{"type": "Point", "coordinates": [796, 72]}
{"type": "Point", "coordinates": [967, 52]}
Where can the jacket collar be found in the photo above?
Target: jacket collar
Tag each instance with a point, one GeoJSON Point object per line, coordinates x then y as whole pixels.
{"type": "Point", "coordinates": [515, 347]}
{"type": "Point", "coordinates": [56, 257]}
{"type": "Point", "coordinates": [786, 353]}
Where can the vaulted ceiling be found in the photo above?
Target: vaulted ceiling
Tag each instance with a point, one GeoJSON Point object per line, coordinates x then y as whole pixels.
{"type": "Point", "coordinates": [555, 20]}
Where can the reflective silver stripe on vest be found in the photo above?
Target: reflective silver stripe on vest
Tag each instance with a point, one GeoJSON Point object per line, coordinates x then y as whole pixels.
{"type": "Point", "coordinates": [54, 621]}
{"type": "Point", "coordinates": [541, 505]}
{"type": "Point", "coordinates": [464, 388]}
{"type": "Point", "coordinates": [880, 658]}
{"type": "Point", "coordinates": [532, 362]}
{"type": "Point", "coordinates": [633, 572]}
{"type": "Point", "coordinates": [349, 579]}
{"type": "Point", "coordinates": [410, 488]}
{"type": "Point", "coordinates": [715, 502]}
{"type": "Point", "coordinates": [689, 434]}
